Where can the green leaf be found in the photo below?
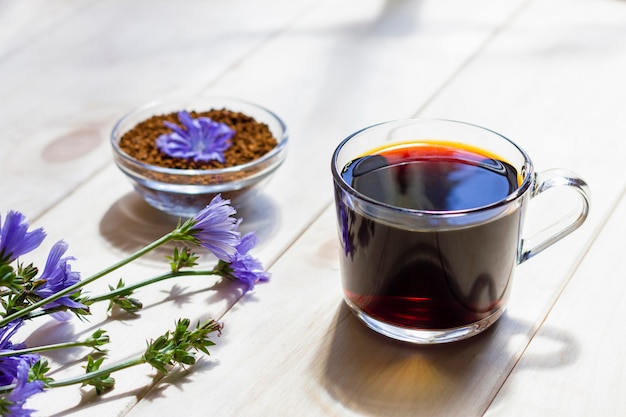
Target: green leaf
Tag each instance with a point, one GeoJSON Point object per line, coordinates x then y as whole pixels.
{"type": "Point", "coordinates": [97, 339]}
{"type": "Point", "coordinates": [182, 258]}
{"type": "Point", "coordinates": [27, 272]}
{"type": "Point", "coordinates": [9, 279]}
{"type": "Point", "coordinates": [100, 382]}
{"type": "Point", "coordinates": [38, 372]}
{"type": "Point", "coordinates": [121, 300]}
{"type": "Point", "coordinates": [176, 347]}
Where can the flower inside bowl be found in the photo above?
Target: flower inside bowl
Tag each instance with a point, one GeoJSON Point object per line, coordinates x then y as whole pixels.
{"type": "Point", "coordinates": [183, 185]}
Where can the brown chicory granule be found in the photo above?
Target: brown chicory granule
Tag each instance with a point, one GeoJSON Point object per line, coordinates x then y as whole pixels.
{"type": "Point", "coordinates": [251, 140]}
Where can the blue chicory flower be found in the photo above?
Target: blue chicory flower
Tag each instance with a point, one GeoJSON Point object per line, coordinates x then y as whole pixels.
{"type": "Point", "coordinates": [216, 229]}
{"type": "Point", "coordinates": [244, 267]}
{"type": "Point", "coordinates": [56, 276]}
{"type": "Point", "coordinates": [9, 365]}
{"type": "Point", "coordinates": [201, 139]}
{"type": "Point", "coordinates": [15, 239]}
{"type": "Point", "coordinates": [22, 391]}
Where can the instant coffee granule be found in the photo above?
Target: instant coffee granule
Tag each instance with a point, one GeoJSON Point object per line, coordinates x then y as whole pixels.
{"type": "Point", "coordinates": [250, 141]}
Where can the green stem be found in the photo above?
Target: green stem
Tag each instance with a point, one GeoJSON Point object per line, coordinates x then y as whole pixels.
{"type": "Point", "coordinates": [86, 377]}
{"type": "Point", "coordinates": [40, 313]}
{"type": "Point", "coordinates": [98, 373]}
{"type": "Point", "coordinates": [44, 348]}
{"type": "Point", "coordinates": [174, 235]}
{"type": "Point", "coordinates": [130, 288]}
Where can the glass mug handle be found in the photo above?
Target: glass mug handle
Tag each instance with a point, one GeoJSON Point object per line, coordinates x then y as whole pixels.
{"type": "Point", "coordinates": [544, 181]}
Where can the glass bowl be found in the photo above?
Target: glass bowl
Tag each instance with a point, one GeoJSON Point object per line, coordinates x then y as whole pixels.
{"type": "Point", "coordinates": [183, 192]}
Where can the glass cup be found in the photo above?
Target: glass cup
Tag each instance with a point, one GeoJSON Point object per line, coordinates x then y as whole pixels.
{"type": "Point", "coordinates": [430, 216]}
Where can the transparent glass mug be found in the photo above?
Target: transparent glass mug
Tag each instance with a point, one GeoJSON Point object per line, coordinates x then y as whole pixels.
{"type": "Point", "coordinates": [433, 275]}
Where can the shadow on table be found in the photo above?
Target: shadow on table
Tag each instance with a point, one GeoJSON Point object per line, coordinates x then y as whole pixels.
{"type": "Point", "coordinates": [377, 376]}
{"type": "Point", "coordinates": [131, 223]}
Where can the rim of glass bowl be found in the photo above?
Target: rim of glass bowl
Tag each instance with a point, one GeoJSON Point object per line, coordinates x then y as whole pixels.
{"type": "Point", "coordinates": [213, 102]}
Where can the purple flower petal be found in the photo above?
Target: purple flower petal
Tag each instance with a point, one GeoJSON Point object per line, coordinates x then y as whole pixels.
{"type": "Point", "coordinates": [15, 239]}
{"type": "Point", "coordinates": [244, 267]}
{"type": "Point", "coordinates": [216, 230]}
{"type": "Point", "coordinates": [201, 139]}
{"type": "Point", "coordinates": [9, 364]}
{"type": "Point", "coordinates": [22, 391]}
{"type": "Point", "coordinates": [177, 129]}
{"type": "Point", "coordinates": [185, 118]}
{"type": "Point", "coordinates": [58, 275]}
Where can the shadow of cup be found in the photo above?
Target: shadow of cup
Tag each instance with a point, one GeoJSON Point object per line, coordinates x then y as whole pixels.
{"type": "Point", "coordinates": [378, 376]}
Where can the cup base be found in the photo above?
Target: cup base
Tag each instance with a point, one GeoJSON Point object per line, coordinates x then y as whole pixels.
{"type": "Point", "coordinates": [425, 336]}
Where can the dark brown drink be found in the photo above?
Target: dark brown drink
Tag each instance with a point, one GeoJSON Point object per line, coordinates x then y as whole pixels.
{"type": "Point", "coordinates": [429, 279]}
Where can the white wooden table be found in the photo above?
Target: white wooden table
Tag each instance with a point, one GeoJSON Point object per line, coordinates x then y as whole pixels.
{"type": "Point", "coordinates": [549, 74]}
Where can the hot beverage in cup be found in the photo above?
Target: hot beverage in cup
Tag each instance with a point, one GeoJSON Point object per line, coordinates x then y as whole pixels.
{"type": "Point", "coordinates": [430, 214]}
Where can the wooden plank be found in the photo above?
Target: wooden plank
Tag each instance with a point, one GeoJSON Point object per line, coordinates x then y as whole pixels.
{"type": "Point", "coordinates": [575, 365]}
{"type": "Point", "coordinates": [21, 23]}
